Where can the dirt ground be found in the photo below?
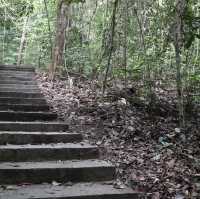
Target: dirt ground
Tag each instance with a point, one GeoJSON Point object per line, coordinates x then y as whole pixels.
{"type": "Point", "coordinates": [151, 153]}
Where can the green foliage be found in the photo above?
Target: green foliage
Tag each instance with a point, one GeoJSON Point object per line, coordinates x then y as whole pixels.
{"type": "Point", "coordinates": [190, 26]}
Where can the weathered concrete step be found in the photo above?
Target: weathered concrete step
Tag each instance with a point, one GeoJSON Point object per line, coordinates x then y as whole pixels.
{"type": "Point", "coordinates": [15, 82]}
{"type": "Point", "coordinates": [16, 68]}
{"type": "Point", "coordinates": [19, 100]}
{"type": "Point", "coordinates": [34, 126]}
{"type": "Point", "coordinates": [23, 107]}
{"type": "Point", "coordinates": [60, 171]}
{"type": "Point", "coordinates": [94, 190]}
{"type": "Point", "coordinates": [22, 94]}
{"type": "Point", "coordinates": [48, 152]}
{"type": "Point", "coordinates": [38, 137]}
{"type": "Point", "coordinates": [27, 116]}
{"type": "Point", "coordinates": [20, 90]}
{"type": "Point", "coordinates": [19, 86]}
{"type": "Point", "coordinates": [23, 78]}
{"type": "Point", "coordinates": [8, 73]}
{"type": "Point", "coordinates": [17, 77]}
{"type": "Point", "coordinates": [17, 71]}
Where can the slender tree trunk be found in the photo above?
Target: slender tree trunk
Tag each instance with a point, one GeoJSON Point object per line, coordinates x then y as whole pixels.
{"type": "Point", "coordinates": [91, 19]}
{"type": "Point", "coordinates": [178, 44]}
{"type": "Point", "coordinates": [125, 40]}
{"type": "Point", "coordinates": [147, 76]}
{"type": "Point", "coordinates": [179, 87]}
{"type": "Point", "coordinates": [59, 44]}
{"type": "Point", "coordinates": [49, 27]}
{"type": "Point", "coordinates": [113, 25]}
{"type": "Point", "coordinates": [4, 34]}
{"type": "Point", "coordinates": [23, 42]}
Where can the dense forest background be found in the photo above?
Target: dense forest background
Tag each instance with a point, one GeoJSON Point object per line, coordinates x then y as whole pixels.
{"type": "Point", "coordinates": [149, 42]}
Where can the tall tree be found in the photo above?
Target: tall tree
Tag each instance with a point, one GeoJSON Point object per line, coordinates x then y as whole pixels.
{"type": "Point", "coordinates": [59, 43]}
{"type": "Point", "coordinates": [49, 26]}
{"type": "Point", "coordinates": [111, 45]}
{"type": "Point", "coordinates": [60, 37]}
{"type": "Point", "coordinates": [178, 44]}
{"type": "Point", "coordinates": [23, 41]}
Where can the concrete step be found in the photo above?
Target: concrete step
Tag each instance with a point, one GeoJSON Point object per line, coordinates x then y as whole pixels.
{"type": "Point", "coordinates": [23, 107]}
{"type": "Point", "coordinates": [23, 78]}
{"type": "Point", "coordinates": [15, 82]}
{"type": "Point", "coordinates": [19, 100]}
{"type": "Point", "coordinates": [34, 126]}
{"type": "Point", "coordinates": [48, 152]}
{"type": "Point", "coordinates": [16, 68]}
{"type": "Point", "coordinates": [19, 86]}
{"type": "Point", "coordinates": [21, 138]}
{"type": "Point", "coordinates": [20, 90]}
{"type": "Point", "coordinates": [94, 190]}
{"type": "Point", "coordinates": [8, 73]}
{"type": "Point", "coordinates": [19, 94]}
{"type": "Point", "coordinates": [18, 77]}
{"type": "Point", "coordinates": [59, 171]}
{"type": "Point", "coordinates": [27, 116]}
{"type": "Point", "coordinates": [11, 72]}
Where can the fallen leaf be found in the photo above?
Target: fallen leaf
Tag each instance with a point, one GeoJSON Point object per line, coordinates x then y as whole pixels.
{"type": "Point", "coordinates": [54, 183]}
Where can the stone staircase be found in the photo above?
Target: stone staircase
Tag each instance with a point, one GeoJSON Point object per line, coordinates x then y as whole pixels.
{"type": "Point", "coordinates": [39, 158]}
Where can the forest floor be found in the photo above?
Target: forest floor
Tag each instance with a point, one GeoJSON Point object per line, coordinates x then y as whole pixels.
{"type": "Point", "coordinates": [149, 150]}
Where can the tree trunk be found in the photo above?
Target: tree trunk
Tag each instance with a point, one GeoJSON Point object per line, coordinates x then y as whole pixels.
{"type": "Point", "coordinates": [23, 42]}
{"type": "Point", "coordinates": [178, 44]}
{"type": "Point", "coordinates": [179, 87]}
{"type": "Point", "coordinates": [59, 44]}
{"type": "Point", "coordinates": [125, 46]}
{"type": "Point", "coordinates": [49, 26]}
{"type": "Point", "coordinates": [4, 35]}
{"type": "Point", "coordinates": [113, 25]}
{"type": "Point", "coordinates": [147, 74]}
